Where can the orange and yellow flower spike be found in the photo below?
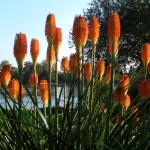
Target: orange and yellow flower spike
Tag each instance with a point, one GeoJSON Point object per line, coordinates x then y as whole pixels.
{"type": "Point", "coordinates": [144, 89]}
{"type": "Point", "coordinates": [14, 89]}
{"type": "Point", "coordinates": [31, 79]}
{"type": "Point", "coordinates": [50, 28]}
{"type": "Point", "coordinates": [64, 64]}
{"type": "Point", "coordinates": [34, 50]}
{"type": "Point", "coordinates": [124, 82]}
{"type": "Point", "coordinates": [88, 71]}
{"type": "Point", "coordinates": [80, 32]}
{"type": "Point", "coordinates": [94, 30]}
{"type": "Point", "coordinates": [58, 40]}
{"type": "Point", "coordinates": [107, 76]}
{"type": "Point", "coordinates": [20, 48]}
{"type": "Point", "coordinates": [5, 75]}
{"type": "Point", "coordinates": [100, 68]}
{"type": "Point", "coordinates": [145, 54]}
{"type": "Point", "coordinates": [44, 91]}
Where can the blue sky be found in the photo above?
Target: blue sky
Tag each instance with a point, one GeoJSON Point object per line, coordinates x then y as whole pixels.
{"type": "Point", "coordinates": [29, 16]}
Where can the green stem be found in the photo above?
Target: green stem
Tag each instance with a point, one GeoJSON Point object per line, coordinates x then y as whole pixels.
{"type": "Point", "coordinates": [36, 101]}
{"type": "Point", "coordinates": [32, 119]}
{"type": "Point", "coordinates": [19, 141]}
{"type": "Point", "coordinates": [92, 81]}
{"type": "Point", "coordinates": [64, 90]}
{"type": "Point", "coordinates": [72, 102]}
{"type": "Point", "coordinates": [6, 104]}
{"type": "Point", "coordinates": [111, 92]}
{"type": "Point", "coordinates": [56, 98]}
{"type": "Point", "coordinates": [49, 102]}
{"type": "Point", "coordinates": [120, 118]}
{"type": "Point", "coordinates": [79, 104]}
{"type": "Point", "coordinates": [145, 72]}
{"type": "Point", "coordinates": [82, 84]}
{"type": "Point", "coordinates": [44, 110]}
{"type": "Point", "coordinates": [14, 107]}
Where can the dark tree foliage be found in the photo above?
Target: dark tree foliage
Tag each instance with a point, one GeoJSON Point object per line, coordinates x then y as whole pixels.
{"type": "Point", "coordinates": [135, 28]}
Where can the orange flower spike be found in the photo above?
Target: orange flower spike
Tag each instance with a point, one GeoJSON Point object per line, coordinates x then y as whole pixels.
{"type": "Point", "coordinates": [88, 70]}
{"type": "Point", "coordinates": [73, 64]}
{"type": "Point", "coordinates": [20, 48]}
{"type": "Point", "coordinates": [148, 68]}
{"type": "Point", "coordinates": [100, 68]}
{"type": "Point", "coordinates": [44, 91]}
{"type": "Point", "coordinates": [84, 31]}
{"type": "Point", "coordinates": [145, 53]}
{"type": "Point", "coordinates": [52, 60]}
{"type": "Point", "coordinates": [94, 30]}
{"type": "Point", "coordinates": [31, 78]}
{"type": "Point", "coordinates": [125, 101]}
{"type": "Point", "coordinates": [64, 64]}
{"type": "Point", "coordinates": [124, 82]}
{"type": "Point", "coordinates": [80, 32]}
{"type": "Point", "coordinates": [5, 75]}
{"type": "Point", "coordinates": [34, 50]}
{"type": "Point", "coordinates": [144, 89]}
{"type": "Point", "coordinates": [22, 93]}
{"type": "Point", "coordinates": [116, 47]}
{"type": "Point", "coordinates": [50, 28]}
{"type": "Point", "coordinates": [14, 89]}
{"type": "Point", "coordinates": [113, 26]}
{"type": "Point", "coordinates": [108, 74]}
{"type": "Point", "coordinates": [58, 40]}
{"type": "Point", "coordinates": [119, 94]}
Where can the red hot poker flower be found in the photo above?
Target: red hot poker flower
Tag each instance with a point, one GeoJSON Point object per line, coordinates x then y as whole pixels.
{"type": "Point", "coordinates": [5, 75]}
{"type": "Point", "coordinates": [125, 101]}
{"type": "Point", "coordinates": [100, 68]}
{"type": "Point", "coordinates": [144, 89]}
{"type": "Point", "coordinates": [58, 39]}
{"type": "Point", "coordinates": [88, 70]}
{"type": "Point", "coordinates": [31, 78]}
{"type": "Point", "coordinates": [20, 48]}
{"type": "Point", "coordinates": [80, 32]}
{"type": "Point", "coordinates": [73, 64]}
{"type": "Point", "coordinates": [50, 28]}
{"type": "Point", "coordinates": [121, 98]}
{"type": "Point", "coordinates": [145, 53]}
{"type": "Point", "coordinates": [119, 94]}
{"type": "Point", "coordinates": [94, 30]}
{"type": "Point", "coordinates": [64, 64]}
{"type": "Point", "coordinates": [34, 50]}
{"type": "Point", "coordinates": [14, 89]}
{"type": "Point", "coordinates": [113, 26]}
{"type": "Point", "coordinates": [44, 91]}
{"type": "Point", "coordinates": [22, 93]}
{"type": "Point", "coordinates": [108, 74]}
{"type": "Point", "coordinates": [124, 82]}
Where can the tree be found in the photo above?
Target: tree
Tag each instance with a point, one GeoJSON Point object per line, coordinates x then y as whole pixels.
{"type": "Point", "coordinates": [135, 28]}
{"type": "Point", "coordinates": [28, 67]}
